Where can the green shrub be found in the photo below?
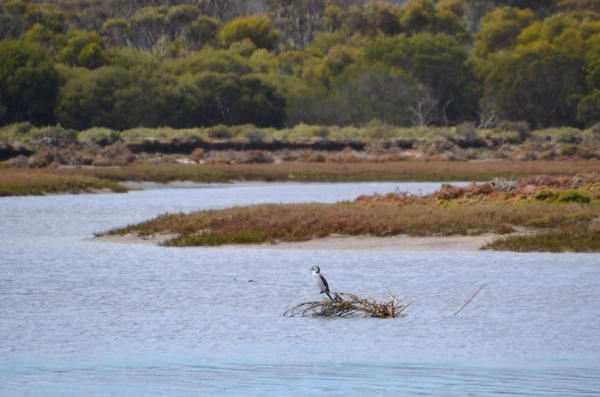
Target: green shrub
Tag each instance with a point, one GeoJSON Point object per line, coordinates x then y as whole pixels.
{"type": "Point", "coordinates": [101, 136]}
{"type": "Point", "coordinates": [55, 132]}
{"type": "Point", "coordinates": [219, 132]}
{"type": "Point", "coordinates": [569, 150]}
{"type": "Point", "coordinates": [545, 195]}
{"type": "Point", "coordinates": [573, 196]}
{"type": "Point", "coordinates": [515, 131]}
{"type": "Point", "coordinates": [17, 131]}
{"type": "Point", "coordinates": [563, 196]}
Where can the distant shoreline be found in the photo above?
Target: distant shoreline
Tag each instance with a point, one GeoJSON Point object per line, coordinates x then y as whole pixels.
{"type": "Point", "coordinates": [42, 181]}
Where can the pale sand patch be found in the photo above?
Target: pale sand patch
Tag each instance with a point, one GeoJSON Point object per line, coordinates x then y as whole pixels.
{"type": "Point", "coordinates": [132, 239]}
{"type": "Point", "coordinates": [345, 243]}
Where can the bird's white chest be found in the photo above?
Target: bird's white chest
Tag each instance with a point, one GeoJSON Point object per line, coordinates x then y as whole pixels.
{"type": "Point", "coordinates": [319, 282]}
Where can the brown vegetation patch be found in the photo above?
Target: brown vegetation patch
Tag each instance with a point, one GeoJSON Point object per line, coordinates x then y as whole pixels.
{"type": "Point", "coordinates": [376, 215]}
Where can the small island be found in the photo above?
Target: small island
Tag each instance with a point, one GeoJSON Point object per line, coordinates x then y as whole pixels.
{"type": "Point", "coordinates": [541, 213]}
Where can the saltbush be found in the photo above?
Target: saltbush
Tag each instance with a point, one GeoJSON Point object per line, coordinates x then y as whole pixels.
{"type": "Point", "coordinates": [101, 136]}
{"type": "Point", "coordinates": [573, 196]}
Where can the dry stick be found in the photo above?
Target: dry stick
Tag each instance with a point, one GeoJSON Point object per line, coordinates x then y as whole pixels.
{"type": "Point", "coordinates": [470, 299]}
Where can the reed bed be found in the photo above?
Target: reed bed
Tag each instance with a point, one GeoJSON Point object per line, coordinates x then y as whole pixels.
{"type": "Point", "coordinates": [350, 305]}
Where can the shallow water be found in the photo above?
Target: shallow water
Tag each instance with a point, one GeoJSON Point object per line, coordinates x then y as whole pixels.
{"type": "Point", "coordinates": [80, 317]}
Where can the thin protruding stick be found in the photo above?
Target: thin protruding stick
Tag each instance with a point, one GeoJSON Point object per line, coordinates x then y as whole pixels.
{"type": "Point", "coordinates": [469, 301]}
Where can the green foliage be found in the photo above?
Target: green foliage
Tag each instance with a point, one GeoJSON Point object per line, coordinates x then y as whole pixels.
{"type": "Point", "coordinates": [101, 136]}
{"type": "Point", "coordinates": [210, 60]}
{"type": "Point", "coordinates": [301, 20]}
{"type": "Point", "coordinates": [17, 131]}
{"type": "Point", "coordinates": [438, 63]}
{"type": "Point", "coordinates": [376, 17]}
{"type": "Point", "coordinates": [83, 49]}
{"type": "Point", "coordinates": [116, 32]}
{"type": "Point", "coordinates": [562, 196]}
{"type": "Point", "coordinates": [17, 16]}
{"type": "Point", "coordinates": [233, 100]}
{"type": "Point", "coordinates": [532, 61]}
{"type": "Point", "coordinates": [499, 30]}
{"type": "Point", "coordinates": [358, 95]}
{"type": "Point", "coordinates": [201, 32]}
{"type": "Point", "coordinates": [28, 84]}
{"type": "Point", "coordinates": [548, 79]}
{"type": "Point", "coordinates": [256, 28]}
{"type": "Point", "coordinates": [339, 57]}
{"type": "Point", "coordinates": [417, 15]}
{"type": "Point", "coordinates": [573, 196]}
{"type": "Point", "coordinates": [54, 132]}
{"type": "Point", "coordinates": [289, 62]}
{"type": "Point", "coordinates": [545, 195]}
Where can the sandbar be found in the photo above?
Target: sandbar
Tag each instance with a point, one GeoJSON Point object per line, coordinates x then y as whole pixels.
{"type": "Point", "coordinates": [344, 243]}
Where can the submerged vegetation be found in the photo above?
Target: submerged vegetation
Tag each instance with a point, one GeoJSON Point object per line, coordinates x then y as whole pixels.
{"type": "Point", "coordinates": [500, 207]}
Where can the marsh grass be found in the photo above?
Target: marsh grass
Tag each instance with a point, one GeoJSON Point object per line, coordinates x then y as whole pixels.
{"type": "Point", "coordinates": [573, 238]}
{"type": "Point", "coordinates": [424, 171]}
{"type": "Point", "coordinates": [20, 183]}
{"type": "Point", "coordinates": [539, 202]}
{"type": "Point", "coordinates": [272, 223]}
{"type": "Point", "coordinates": [30, 181]}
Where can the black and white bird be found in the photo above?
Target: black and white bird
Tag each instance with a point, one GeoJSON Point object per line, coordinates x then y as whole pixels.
{"type": "Point", "coordinates": [320, 281]}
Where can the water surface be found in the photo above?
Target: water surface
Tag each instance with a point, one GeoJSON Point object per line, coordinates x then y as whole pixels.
{"type": "Point", "coordinates": [80, 317]}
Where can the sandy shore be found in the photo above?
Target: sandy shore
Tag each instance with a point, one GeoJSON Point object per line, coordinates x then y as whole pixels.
{"type": "Point", "coordinates": [346, 243]}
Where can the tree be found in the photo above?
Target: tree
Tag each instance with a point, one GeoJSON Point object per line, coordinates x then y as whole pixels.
{"type": "Point", "coordinates": [568, 31]}
{"type": "Point", "coordinates": [116, 32]}
{"type": "Point", "coordinates": [83, 49]}
{"type": "Point", "coordinates": [299, 19]}
{"type": "Point", "coordinates": [200, 32]}
{"type": "Point", "coordinates": [28, 83]}
{"type": "Point", "coordinates": [225, 10]}
{"type": "Point", "coordinates": [147, 27]}
{"type": "Point", "coordinates": [438, 63]}
{"type": "Point", "coordinates": [233, 100]}
{"type": "Point", "coordinates": [417, 16]}
{"type": "Point", "coordinates": [538, 83]}
{"type": "Point", "coordinates": [375, 18]}
{"type": "Point", "coordinates": [256, 28]}
{"type": "Point", "coordinates": [499, 30]}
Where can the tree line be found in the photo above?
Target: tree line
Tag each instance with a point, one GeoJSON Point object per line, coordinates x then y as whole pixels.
{"type": "Point", "coordinates": [185, 63]}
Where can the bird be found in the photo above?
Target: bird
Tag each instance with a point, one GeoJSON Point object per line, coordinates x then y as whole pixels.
{"type": "Point", "coordinates": [320, 281]}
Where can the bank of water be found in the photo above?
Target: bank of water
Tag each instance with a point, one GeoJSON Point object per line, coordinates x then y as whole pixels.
{"type": "Point", "coordinates": [80, 317]}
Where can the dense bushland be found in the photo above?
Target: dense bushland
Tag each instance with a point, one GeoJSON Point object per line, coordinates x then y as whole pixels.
{"type": "Point", "coordinates": [276, 63]}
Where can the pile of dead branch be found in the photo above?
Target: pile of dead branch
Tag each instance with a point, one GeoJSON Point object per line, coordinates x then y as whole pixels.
{"type": "Point", "coordinates": [350, 305]}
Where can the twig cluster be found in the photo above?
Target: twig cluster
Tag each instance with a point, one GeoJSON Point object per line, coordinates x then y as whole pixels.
{"type": "Point", "coordinates": [350, 305]}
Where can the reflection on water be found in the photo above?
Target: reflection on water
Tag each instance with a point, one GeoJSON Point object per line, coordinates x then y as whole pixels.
{"type": "Point", "coordinates": [81, 317]}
